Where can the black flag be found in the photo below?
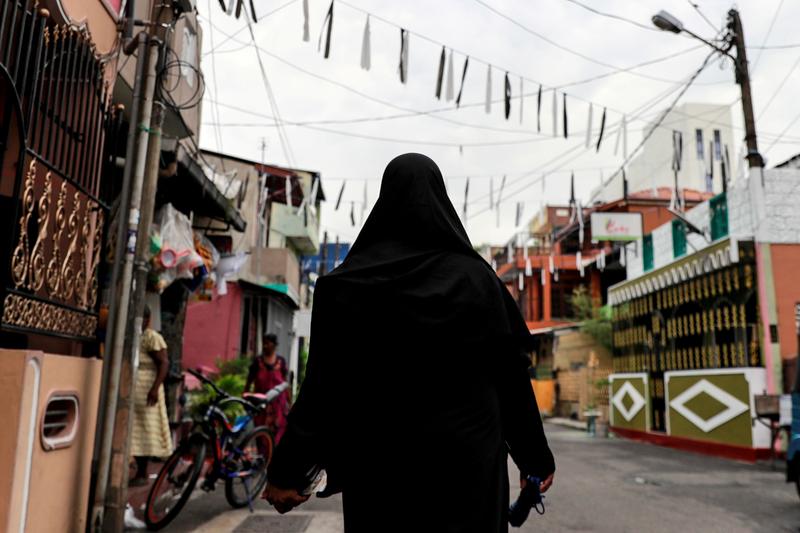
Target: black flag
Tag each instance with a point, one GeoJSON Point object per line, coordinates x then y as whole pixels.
{"type": "Point", "coordinates": [565, 115]}
{"type": "Point", "coordinates": [539, 110]}
{"type": "Point", "coordinates": [329, 21]}
{"type": "Point", "coordinates": [440, 75]}
{"type": "Point", "coordinates": [508, 96]}
{"type": "Point", "coordinates": [339, 198]}
{"type": "Point", "coordinates": [602, 130]}
{"type": "Point", "coordinates": [463, 77]}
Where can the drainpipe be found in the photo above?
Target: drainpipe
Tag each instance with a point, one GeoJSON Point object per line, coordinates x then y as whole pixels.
{"type": "Point", "coordinates": [126, 239]}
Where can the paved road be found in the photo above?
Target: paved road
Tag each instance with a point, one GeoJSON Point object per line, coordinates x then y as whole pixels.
{"type": "Point", "coordinates": [604, 485]}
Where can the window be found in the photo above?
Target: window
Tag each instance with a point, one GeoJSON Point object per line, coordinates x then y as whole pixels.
{"type": "Point", "coordinates": [188, 55]}
{"type": "Point", "coordinates": [698, 136]}
{"type": "Point", "coordinates": [717, 145]}
{"type": "Point", "coordinates": [647, 252]}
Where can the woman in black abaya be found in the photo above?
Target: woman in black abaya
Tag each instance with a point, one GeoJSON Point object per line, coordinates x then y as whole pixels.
{"type": "Point", "coordinates": [416, 387]}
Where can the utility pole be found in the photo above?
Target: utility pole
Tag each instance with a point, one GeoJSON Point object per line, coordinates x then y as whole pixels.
{"type": "Point", "coordinates": [754, 158]}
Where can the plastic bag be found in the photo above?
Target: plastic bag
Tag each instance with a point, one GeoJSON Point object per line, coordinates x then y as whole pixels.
{"type": "Point", "coordinates": [177, 257]}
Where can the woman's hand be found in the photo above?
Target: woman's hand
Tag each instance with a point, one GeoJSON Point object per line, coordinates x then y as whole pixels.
{"type": "Point", "coordinates": [284, 500]}
{"type": "Point", "coordinates": [543, 486]}
{"type": "Point", "coordinates": [152, 397]}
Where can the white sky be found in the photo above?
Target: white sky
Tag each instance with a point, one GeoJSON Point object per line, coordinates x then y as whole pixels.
{"type": "Point", "coordinates": [233, 79]}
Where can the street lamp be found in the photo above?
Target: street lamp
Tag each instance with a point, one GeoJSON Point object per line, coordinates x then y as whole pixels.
{"type": "Point", "coordinates": [734, 37]}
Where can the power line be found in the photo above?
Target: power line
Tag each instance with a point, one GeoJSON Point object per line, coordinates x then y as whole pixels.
{"type": "Point", "coordinates": [776, 91]}
{"type": "Point", "coordinates": [703, 16]}
{"type": "Point", "coordinates": [769, 32]}
{"type": "Point", "coordinates": [613, 16]}
{"type": "Point", "coordinates": [240, 30]}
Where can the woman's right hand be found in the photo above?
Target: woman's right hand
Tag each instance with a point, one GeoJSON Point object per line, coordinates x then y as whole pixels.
{"type": "Point", "coordinates": [284, 500]}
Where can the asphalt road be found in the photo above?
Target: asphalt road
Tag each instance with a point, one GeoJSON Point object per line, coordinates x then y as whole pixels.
{"type": "Point", "coordinates": [604, 485]}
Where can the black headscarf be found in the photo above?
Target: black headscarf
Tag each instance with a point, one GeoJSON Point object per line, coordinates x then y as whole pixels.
{"type": "Point", "coordinates": [416, 367]}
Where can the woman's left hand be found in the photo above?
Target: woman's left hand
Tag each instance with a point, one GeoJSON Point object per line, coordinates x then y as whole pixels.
{"type": "Point", "coordinates": [152, 397]}
{"type": "Point", "coordinates": [284, 500]}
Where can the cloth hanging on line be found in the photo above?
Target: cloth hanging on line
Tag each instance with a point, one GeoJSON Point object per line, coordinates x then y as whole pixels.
{"type": "Point", "coordinates": [539, 110]}
{"type": "Point", "coordinates": [440, 73]}
{"type": "Point", "coordinates": [466, 197]}
{"type": "Point", "coordinates": [306, 33]}
{"type": "Point", "coordinates": [521, 97]}
{"type": "Point", "coordinates": [463, 77]}
{"type": "Point", "coordinates": [507, 95]}
{"type": "Point", "coordinates": [327, 28]}
{"type": "Point", "coordinates": [555, 114]}
{"type": "Point", "coordinates": [339, 198]}
{"type": "Point", "coordinates": [449, 90]}
{"type": "Point", "coordinates": [366, 45]}
{"type": "Point", "coordinates": [589, 128]}
{"type": "Point", "coordinates": [566, 133]}
{"type": "Point", "coordinates": [488, 104]}
{"type": "Point", "coordinates": [602, 130]}
{"type": "Point", "coordinates": [403, 66]}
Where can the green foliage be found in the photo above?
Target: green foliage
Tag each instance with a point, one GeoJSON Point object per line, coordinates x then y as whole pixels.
{"type": "Point", "coordinates": [231, 378]}
{"type": "Point", "coordinates": [596, 320]}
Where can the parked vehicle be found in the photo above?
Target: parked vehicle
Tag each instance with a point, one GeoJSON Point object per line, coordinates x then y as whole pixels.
{"type": "Point", "coordinates": [235, 452]}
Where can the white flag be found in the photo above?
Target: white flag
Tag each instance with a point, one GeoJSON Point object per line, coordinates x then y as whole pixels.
{"type": "Point", "coordinates": [555, 114]}
{"type": "Point", "coordinates": [306, 36]}
{"type": "Point", "coordinates": [448, 91]}
{"type": "Point", "coordinates": [366, 52]}
{"type": "Point", "coordinates": [589, 128]}
{"type": "Point", "coordinates": [488, 105]}
{"type": "Point", "coordinates": [528, 267]}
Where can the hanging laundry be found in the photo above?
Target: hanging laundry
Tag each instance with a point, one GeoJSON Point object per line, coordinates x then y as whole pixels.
{"type": "Point", "coordinates": [528, 266]}
{"type": "Point", "coordinates": [539, 110]}
{"type": "Point", "coordinates": [507, 95]}
{"type": "Point", "coordinates": [521, 97]}
{"type": "Point", "coordinates": [366, 45]}
{"type": "Point", "coordinates": [602, 130]}
{"type": "Point", "coordinates": [466, 197]}
{"type": "Point", "coordinates": [306, 33]}
{"type": "Point", "coordinates": [566, 133]}
{"type": "Point", "coordinates": [440, 73]}
{"type": "Point", "coordinates": [403, 66]}
{"type": "Point", "coordinates": [463, 77]}
{"type": "Point", "coordinates": [327, 26]}
{"type": "Point", "coordinates": [448, 93]}
{"type": "Point", "coordinates": [589, 128]}
{"type": "Point", "coordinates": [555, 114]}
{"type": "Point", "coordinates": [521, 282]}
{"type": "Point", "coordinates": [339, 198]}
{"type": "Point", "coordinates": [488, 104]}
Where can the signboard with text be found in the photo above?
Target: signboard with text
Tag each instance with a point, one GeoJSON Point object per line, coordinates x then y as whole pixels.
{"type": "Point", "coordinates": [616, 226]}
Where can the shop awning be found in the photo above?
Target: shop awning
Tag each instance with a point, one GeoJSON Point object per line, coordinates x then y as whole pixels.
{"type": "Point", "coordinates": [191, 190]}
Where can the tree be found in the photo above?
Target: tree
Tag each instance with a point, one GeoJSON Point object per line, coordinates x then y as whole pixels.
{"type": "Point", "coordinates": [595, 320]}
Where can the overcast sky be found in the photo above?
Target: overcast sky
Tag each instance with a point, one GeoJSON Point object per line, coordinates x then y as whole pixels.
{"type": "Point", "coordinates": [311, 90]}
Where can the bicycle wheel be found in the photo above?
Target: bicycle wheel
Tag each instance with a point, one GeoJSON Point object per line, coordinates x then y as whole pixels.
{"type": "Point", "coordinates": [250, 458]}
{"type": "Point", "coordinates": [174, 484]}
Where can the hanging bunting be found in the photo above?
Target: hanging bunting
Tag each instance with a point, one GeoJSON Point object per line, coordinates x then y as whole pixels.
{"type": "Point", "coordinates": [306, 33]}
{"type": "Point", "coordinates": [463, 77]}
{"type": "Point", "coordinates": [466, 197]}
{"type": "Point", "coordinates": [525, 249]}
{"type": "Point", "coordinates": [253, 11]}
{"type": "Point", "coordinates": [507, 95]}
{"type": "Point", "coordinates": [589, 128]}
{"type": "Point", "coordinates": [572, 211]}
{"type": "Point", "coordinates": [239, 7]}
{"type": "Point", "coordinates": [555, 114]}
{"type": "Point", "coordinates": [327, 30]}
{"type": "Point", "coordinates": [727, 174]}
{"type": "Point", "coordinates": [488, 104]}
{"type": "Point", "coordinates": [625, 137]}
{"type": "Point", "coordinates": [518, 215]}
{"type": "Point", "coordinates": [509, 252]}
{"type": "Point", "coordinates": [499, 199]}
{"type": "Point", "coordinates": [366, 45]}
{"type": "Point", "coordinates": [566, 133]}
{"type": "Point", "coordinates": [602, 130]}
{"type": "Point", "coordinates": [352, 214]}
{"type": "Point", "coordinates": [449, 88]}
{"type": "Point", "coordinates": [491, 193]}
{"type": "Point", "coordinates": [440, 73]}
{"type": "Point", "coordinates": [601, 260]}
{"type": "Point", "coordinates": [521, 97]}
{"type": "Point", "coordinates": [287, 191]}
{"type": "Point", "coordinates": [521, 282]}
{"type": "Point", "coordinates": [544, 277]}
{"type": "Point", "coordinates": [539, 110]}
{"type": "Point", "coordinates": [403, 66]}
{"type": "Point", "coordinates": [528, 266]}
{"type": "Point", "coordinates": [555, 276]}
{"type": "Point", "coordinates": [677, 151]}
{"type": "Point", "coordinates": [552, 264]}
{"type": "Point", "coordinates": [231, 5]}
{"type": "Point", "coordinates": [339, 198]}
{"type": "Point", "coordinates": [544, 179]}
{"type": "Point", "coordinates": [364, 203]}
{"type": "Point", "coordinates": [581, 225]}
{"type": "Point", "coordinates": [710, 175]}
{"type": "Point", "coordinates": [623, 256]}
{"type": "Point", "coordinates": [579, 262]}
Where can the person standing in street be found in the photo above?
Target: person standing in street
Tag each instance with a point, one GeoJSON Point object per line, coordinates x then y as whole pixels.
{"type": "Point", "coordinates": [150, 435]}
{"type": "Point", "coordinates": [267, 371]}
{"type": "Point", "coordinates": [416, 387]}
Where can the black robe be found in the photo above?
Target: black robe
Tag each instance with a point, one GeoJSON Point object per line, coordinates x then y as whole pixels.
{"type": "Point", "coordinates": [416, 386]}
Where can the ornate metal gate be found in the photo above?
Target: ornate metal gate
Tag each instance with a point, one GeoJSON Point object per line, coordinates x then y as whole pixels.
{"type": "Point", "coordinates": [54, 131]}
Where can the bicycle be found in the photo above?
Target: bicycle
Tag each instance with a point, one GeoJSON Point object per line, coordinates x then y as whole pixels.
{"type": "Point", "coordinates": [239, 455]}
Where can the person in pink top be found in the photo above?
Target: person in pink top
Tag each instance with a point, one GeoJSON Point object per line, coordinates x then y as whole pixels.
{"type": "Point", "coordinates": [268, 371]}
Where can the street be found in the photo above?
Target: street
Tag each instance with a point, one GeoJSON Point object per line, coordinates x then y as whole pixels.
{"type": "Point", "coordinates": [608, 485]}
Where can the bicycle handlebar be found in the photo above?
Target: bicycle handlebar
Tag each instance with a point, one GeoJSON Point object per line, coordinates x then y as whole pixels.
{"type": "Point", "coordinates": [208, 382]}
